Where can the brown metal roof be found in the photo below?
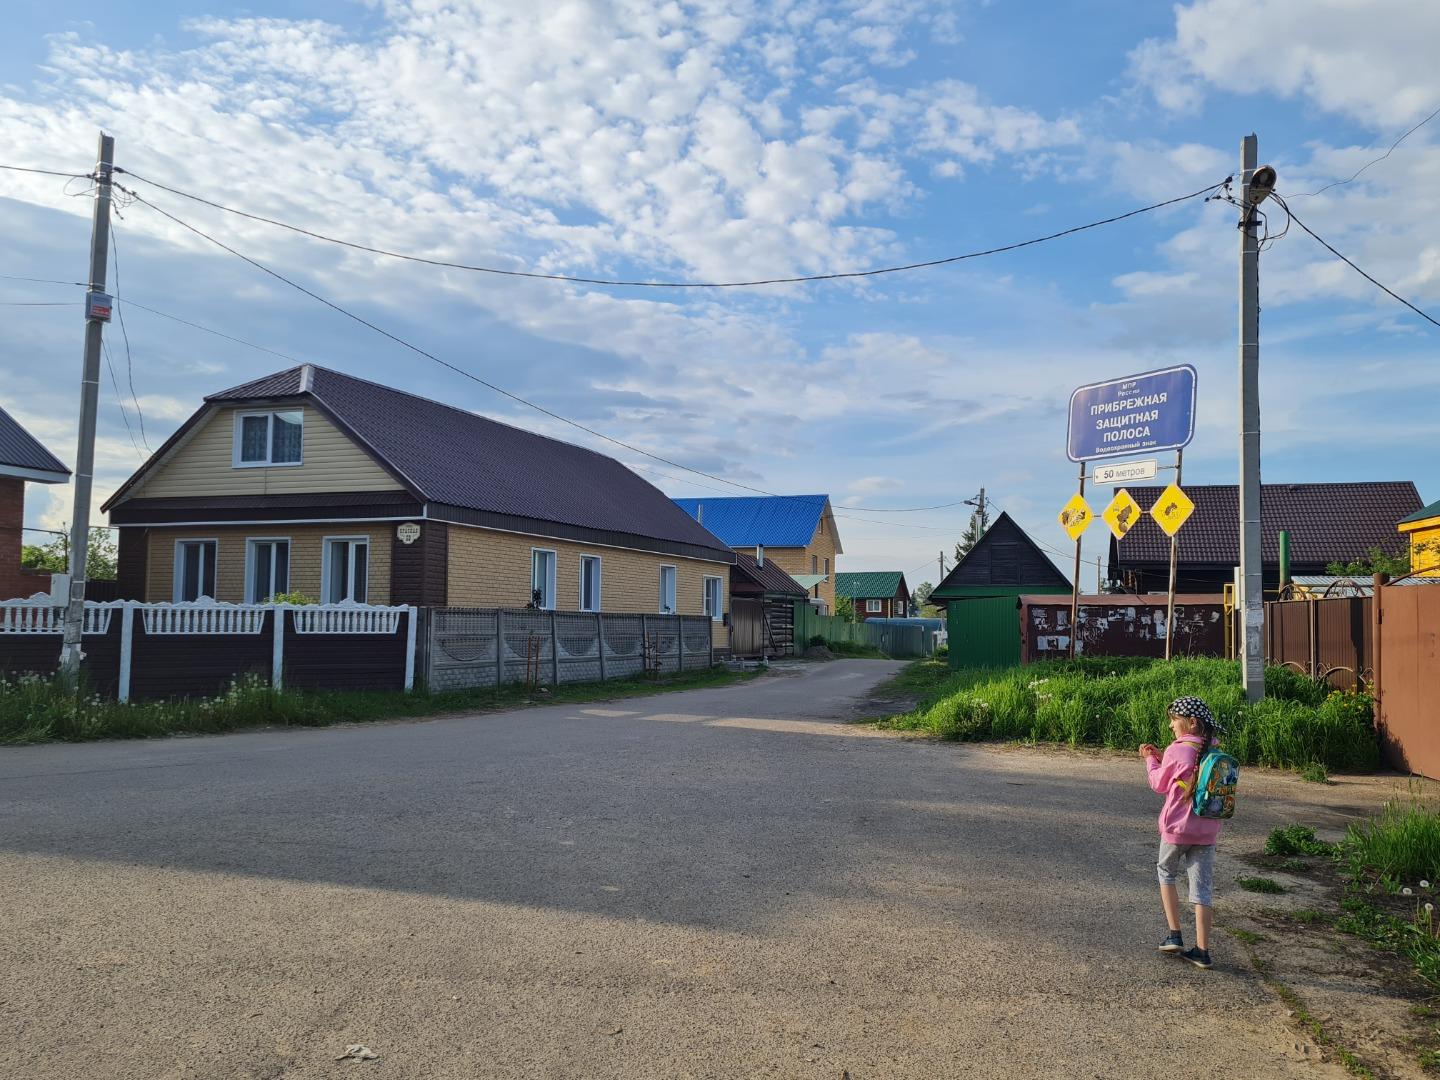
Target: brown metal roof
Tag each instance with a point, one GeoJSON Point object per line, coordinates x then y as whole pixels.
{"type": "Point", "coordinates": [456, 458]}
{"type": "Point", "coordinates": [1326, 522]}
{"type": "Point", "coordinates": [769, 577]}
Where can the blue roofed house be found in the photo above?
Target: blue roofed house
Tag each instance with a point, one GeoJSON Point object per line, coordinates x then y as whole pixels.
{"type": "Point", "coordinates": [797, 533]}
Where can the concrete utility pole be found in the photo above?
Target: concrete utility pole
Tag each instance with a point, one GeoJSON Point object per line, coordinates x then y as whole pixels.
{"type": "Point", "coordinates": [1255, 185]}
{"type": "Point", "coordinates": [97, 314]}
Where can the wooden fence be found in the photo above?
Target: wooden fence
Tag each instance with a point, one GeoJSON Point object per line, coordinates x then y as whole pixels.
{"type": "Point", "coordinates": [134, 650]}
{"type": "Point", "coordinates": [473, 647]}
{"type": "Point", "coordinates": [900, 641]}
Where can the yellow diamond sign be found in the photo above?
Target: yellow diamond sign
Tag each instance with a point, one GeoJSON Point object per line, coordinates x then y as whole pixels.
{"type": "Point", "coordinates": [1075, 518]}
{"type": "Point", "coordinates": [1172, 509]}
{"type": "Point", "coordinates": [1121, 514]}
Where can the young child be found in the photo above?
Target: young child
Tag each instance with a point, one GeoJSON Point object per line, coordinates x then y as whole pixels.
{"type": "Point", "coordinates": [1185, 839]}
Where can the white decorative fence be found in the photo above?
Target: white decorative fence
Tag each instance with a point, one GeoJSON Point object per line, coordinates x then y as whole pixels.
{"type": "Point", "coordinates": [197, 649]}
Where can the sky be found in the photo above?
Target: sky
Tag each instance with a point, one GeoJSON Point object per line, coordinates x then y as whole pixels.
{"type": "Point", "coordinates": [734, 140]}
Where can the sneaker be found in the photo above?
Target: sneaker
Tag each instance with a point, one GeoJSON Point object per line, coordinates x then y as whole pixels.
{"type": "Point", "coordinates": [1199, 957]}
{"type": "Point", "coordinates": [1173, 943]}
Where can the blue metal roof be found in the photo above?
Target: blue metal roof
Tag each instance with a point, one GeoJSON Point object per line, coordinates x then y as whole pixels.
{"type": "Point", "coordinates": [769, 520]}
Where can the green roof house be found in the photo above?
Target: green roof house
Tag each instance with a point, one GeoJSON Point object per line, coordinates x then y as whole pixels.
{"type": "Point", "coordinates": [877, 594]}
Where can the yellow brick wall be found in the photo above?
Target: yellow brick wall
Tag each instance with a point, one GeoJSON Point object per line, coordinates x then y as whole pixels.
{"type": "Point", "coordinates": [492, 569]}
{"type": "Point", "coordinates": [799, 561]}
{"type": "Point", "coordinates": [306, 548]}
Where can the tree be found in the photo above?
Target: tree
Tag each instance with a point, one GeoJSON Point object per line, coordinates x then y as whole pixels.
{"type": "Point", "coordinates": [979, 522]}
{"type": "Point", "coordinates": [845, 607]}
{"type": "Point", "coordinates": [1379, 561]}
{"type": "Point", "coordinates": [922, 601]}
{"type": "Point", "coordinates": [100, 556]}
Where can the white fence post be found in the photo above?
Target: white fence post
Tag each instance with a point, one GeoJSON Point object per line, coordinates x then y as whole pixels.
{"type": "Point", "coordinates": [410, 649]}
{"type": "Point", "coordinates": [127, 642]}
{"type": "Point", "coordinates": [277, 653]}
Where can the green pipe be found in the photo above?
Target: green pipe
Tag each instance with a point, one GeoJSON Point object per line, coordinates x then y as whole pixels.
{"type": "Point", "coordinates": [1284, 558]}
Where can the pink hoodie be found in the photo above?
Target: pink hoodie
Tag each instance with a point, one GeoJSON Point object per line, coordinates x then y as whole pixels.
{"type": "Point", "coordinates": [1174, 777]}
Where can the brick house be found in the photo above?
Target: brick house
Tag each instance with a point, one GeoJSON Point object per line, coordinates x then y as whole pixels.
{"type": "Point", "coordinates": [316, 482]}
{"type": "Point", "coordinates": [22, 459]}
{"type": "Point", "coordinates": [797, 533]}
{"type": "Point", "coordinates": [1326, 522]}
{"type": "Point", "coordinates": [876, 594]}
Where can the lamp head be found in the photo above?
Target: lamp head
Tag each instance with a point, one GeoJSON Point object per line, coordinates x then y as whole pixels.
{"type": "Point", "coordinates": [1262, 183]}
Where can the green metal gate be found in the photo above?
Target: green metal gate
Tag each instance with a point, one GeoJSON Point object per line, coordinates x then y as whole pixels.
{"type": "Point", "coordinates": [984, 632]}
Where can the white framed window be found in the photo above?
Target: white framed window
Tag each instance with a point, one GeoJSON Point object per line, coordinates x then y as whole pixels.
{"type": "Point", "coordinates": [345, 570]}
{"type": "Point", "coordinates": [589, 582]}
{"type": "Point", "coordinates": [267, 567]}
{"type": "Point", "coordinates": [195, 569]}
{"type": "Point", "coordinates": [715, 598]}
{"type": "Point", "coordinates": [265, 439]}
{"type": "Point", "coordinates": [872, 607]}
{"type": "Point", "coordinates": [667, 590]}
{"type": "Point", "coordinates": [542, 578]}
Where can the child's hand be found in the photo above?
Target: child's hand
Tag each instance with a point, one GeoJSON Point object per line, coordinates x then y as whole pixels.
{"type": "Point", "coordinates": [1148, 750]}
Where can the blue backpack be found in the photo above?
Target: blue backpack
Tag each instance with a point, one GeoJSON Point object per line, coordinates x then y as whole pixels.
{"type": "Point", "coordinates": [1217, 774]}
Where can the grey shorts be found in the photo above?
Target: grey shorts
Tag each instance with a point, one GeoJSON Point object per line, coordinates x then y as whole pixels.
{"type": "Point", "coordinates": [1199, 863]}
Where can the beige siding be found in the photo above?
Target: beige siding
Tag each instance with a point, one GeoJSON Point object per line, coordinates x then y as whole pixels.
{"type": "Point", "coordinates": [306, 548]}
{"type": "Point", "coordinates": [205, 465]}
{"type": "Point", "coordinates": [795, 561]}
{"type": "Point", "coordinates": [492, 569]}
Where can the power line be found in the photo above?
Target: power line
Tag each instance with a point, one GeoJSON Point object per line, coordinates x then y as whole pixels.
{"type": "Point", "coordinates": [209, 330]}
{"type": "Point", "coordinates": [1326, 245]}
{"type": "Point", "coordinates": [119, 399]}
{"type": "Point", "coordinates": [42, 280]}
{"type": "Point", "coordinates": [125, 335]}
{"type": "Point", "coordinates": [667, 284]}
{"type": "Point", "coordinates": [47, 172]}
{"type": "Point", "coordinates": [40, 303]}
{"type": "Point", "coordinates": [1382, 157]}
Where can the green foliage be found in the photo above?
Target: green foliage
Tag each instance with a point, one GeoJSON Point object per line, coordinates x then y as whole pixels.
{"type": "Point", "coordinates": [974, 530]}
{"type": "Point", "coordinates": [816, 640]}
{"type": "Point", "coordinates": [1296, 840]}
{"type": "Point", "coordinates": [1121, 703]}
{"type": "Point", "coordinates": [101, 555]}
{"type": "Point", "coordinates": [37, 709]}
{"type": "Point", "coordinates": [854, 650]}
{"type": "Point", "coordinates": [844, 608]}
{"type": "Point", "coordinates": [1414, 938]}
{"type": "Point", "coordinates": [1314, 773]}
{"type": "Point", "coordinates": [1260, 885]}
{"type": "Point", "coordinates": [1377, 561]}
{"type": "Point", "coordinates": [298, 599]}
{"type": "Point", "coordinates": [922, 593]}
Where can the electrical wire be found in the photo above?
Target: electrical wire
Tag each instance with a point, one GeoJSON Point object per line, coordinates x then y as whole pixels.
{"type": "Point", "coordinates": [119, 398]}
{"type": "Point", "coordinates": [1328, 247]}
{"type": "Point", "coordinates": [208, 330]}
{"type": "Point", "coordinates": [1382, 157]}
{"type": "Point", "coordinates": [125, 335]}
{"type": "Point", "coordinates": [41, 280]}
{"type": "Point", "coordinates": [876, 272]}
{"type": "Point", "coordinates": [40, 303]}
{"type": "Point", "coordinates": [47, 172]}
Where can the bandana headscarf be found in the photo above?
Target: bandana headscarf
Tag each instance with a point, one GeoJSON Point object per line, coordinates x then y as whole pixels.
{"type": "Point", "coordinates": [1192, 708]}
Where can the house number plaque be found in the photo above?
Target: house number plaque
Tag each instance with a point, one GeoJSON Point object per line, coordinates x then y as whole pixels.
{"type": "Point", "coordinates": [408, 533]}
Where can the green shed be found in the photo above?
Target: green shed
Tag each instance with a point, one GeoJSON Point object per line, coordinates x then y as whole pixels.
{"type": "Point", "coordinates": [982, 595]}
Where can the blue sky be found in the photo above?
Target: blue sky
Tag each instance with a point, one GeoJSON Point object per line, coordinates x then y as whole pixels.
{"type": "Point", "coordinates": [723, 140]}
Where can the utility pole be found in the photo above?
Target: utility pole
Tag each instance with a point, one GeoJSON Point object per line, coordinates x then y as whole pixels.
{"type": "Point", "coordinates": [97, 314]}
{"type": "Point", "coordinates": [1099, 583]}
{"type": "Point", "coordinates": [942, 564]}
{"type": "Point", "coordinates": [1255, 185]}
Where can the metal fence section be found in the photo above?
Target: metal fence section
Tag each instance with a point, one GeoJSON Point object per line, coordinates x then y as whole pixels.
{"type": "Point", "coordinates": [901, 641]}
{"type": "Point", "coordinates": [1407, 673]}
{"type": "Point", "coordinates": [1327, 639]}
{"type": "Point", "coordinates": [474, 647]}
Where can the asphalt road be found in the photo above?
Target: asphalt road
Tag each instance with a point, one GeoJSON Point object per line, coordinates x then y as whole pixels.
{"type": "Point", "coordinates": [721, 883]}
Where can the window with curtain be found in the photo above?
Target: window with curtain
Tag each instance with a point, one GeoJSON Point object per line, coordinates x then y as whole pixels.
{"type": "Point", "coordinates": [872, 606]}
{"type": "Point", "coordinates": [667, 590]}
{"type": "Point", "coordinates": [269, 570]}
{"type": "Point", "coordinates": [714, 598]}
{"type": "Point", "coordinates": [542, 578]}
{"type": "Point", "coordinates": [346, 570]}
{"type": "Point", "coordinates": [194, 570]}
{"type": "Point", "coordinates": [269, 438]}
{"type": "Point", "coordinates": [589, 583]}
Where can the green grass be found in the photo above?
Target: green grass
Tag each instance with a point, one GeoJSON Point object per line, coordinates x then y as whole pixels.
{"type": "Point", "coordinates": [1314, 773]}
{"type": "Point", "coordinates": [1121, 702]}
{"type": "Point", "coordinates": [1296, 840]}
{"type": "Point", "coordinates": [1414, 938]}
{"type": "Point", "coordinates": [1400, 847]}
{"type": "Point", "coordinates": [1260, 885]}
{"type": "Point", "coordinates": [1309, 916]}
{"type": "Point", "coordinates": [34, 709]}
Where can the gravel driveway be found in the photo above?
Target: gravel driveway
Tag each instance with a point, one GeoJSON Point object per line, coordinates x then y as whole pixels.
{"type": "Point", "coordinates": [724, 883]}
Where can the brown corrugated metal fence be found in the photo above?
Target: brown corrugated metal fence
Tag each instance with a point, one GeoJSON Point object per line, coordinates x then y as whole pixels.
{"type": "Point", "coordinates": [1407, 676]}
{"type": "Point", "coordinates": [1328, 639]}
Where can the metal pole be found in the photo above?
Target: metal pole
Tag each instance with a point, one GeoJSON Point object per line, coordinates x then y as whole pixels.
{"type": "Point", "coordinates": [96, 316]}
{"type": "Point", "coordinates": [1252, 635]}
{"type": "Point", "coordinates": [1075, 592]}
{"type": "Point", "coordinates": [1174, 559]}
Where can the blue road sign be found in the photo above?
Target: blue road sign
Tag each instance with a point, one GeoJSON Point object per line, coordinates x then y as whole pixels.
{"type": "Point", "coordinates": [1137, 414]}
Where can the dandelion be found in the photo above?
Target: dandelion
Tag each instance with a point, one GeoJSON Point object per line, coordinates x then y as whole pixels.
{"type": "Point", "coordinates": [1429, 908]}
{"type": "Point", "coordinates": [1406, 891]}
{"type": "Point", "coordinates": [1424, 884]}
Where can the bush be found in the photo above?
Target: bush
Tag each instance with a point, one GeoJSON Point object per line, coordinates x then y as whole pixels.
{"type": "Point", "coordinates": [816, 640]}
{"type": "Point", "coordinates": [1296, 840]}
{"type": "Point", "coordinates": [1121, 703]}
{"type": "Point", "coordinates": [1401, 846]}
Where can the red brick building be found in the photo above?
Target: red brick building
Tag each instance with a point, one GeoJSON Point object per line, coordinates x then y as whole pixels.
{"type": "Point", "coordinates": [22, 459]}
